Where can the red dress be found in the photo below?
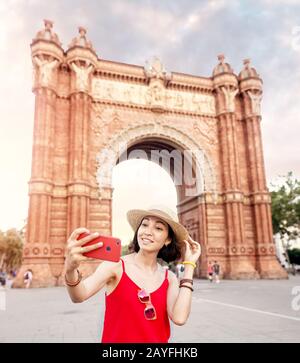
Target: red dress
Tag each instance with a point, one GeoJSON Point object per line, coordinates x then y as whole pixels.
{"type": "Point", "coordinates": [124, 320]}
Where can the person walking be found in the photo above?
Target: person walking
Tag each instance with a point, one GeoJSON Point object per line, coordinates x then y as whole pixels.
{"type": "Point", "coordinates": [28, 276]}
{"type": "Point", "coordinates": [216, 270]}
{"type": "Point", "coordinates": [3, 277]}
{"type": "Point", "coordinates": [210, 271]}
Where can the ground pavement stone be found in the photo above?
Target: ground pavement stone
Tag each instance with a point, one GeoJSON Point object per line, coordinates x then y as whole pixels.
{"type": "Point", "coordinates": [232, 311]}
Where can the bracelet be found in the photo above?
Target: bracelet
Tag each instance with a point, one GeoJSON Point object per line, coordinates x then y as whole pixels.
{"type": "Point", "coordinates": [189, 263]}
{"type": "Point", "coordinates": [73, 284]}
{"type": "Point", "coordinates": [186, 280]}
{"type": "Point", "coordinates": [188, 287]}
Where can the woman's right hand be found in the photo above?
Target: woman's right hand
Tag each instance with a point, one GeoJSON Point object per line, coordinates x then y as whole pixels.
{"type": "Point", "coordinates": [74, 250]}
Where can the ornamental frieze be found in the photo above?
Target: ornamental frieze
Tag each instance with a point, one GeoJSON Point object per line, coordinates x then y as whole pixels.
{"type": "Point", "coordinates": [145, 96]}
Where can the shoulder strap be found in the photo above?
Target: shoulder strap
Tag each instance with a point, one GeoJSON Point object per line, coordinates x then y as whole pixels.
{"type": "Point", "coordinates": [123, 265]}
{"type": "Point", "coordinates": [166, 275]}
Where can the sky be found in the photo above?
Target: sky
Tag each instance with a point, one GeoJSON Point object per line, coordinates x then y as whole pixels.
{"type": "Point", "coordinates": [187, 35]}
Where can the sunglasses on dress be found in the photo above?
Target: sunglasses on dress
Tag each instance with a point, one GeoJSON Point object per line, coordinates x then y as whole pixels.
{"type": "Point", "coordinates": [149, 312]}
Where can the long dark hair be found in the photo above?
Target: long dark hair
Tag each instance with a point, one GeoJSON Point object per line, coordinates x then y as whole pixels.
{"type": "Point", "coordinates": [168, 253]}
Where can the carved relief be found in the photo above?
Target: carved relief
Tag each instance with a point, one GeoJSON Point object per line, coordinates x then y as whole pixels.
{"type": "Point", "coordinates": [115, 122]}
{"type": "Point", "coordinates": [45, 66]}
{"type": "Point", "coordinates": [154, 94]}
{"type": "Point", "coordinates": [97, 119]}
{"type": "Point", "coordinates": [82, 75]}
{"type": "Point", "coordinates": [207, 131]}
{"type": "Point", "coordinates": [234, 250]}
{"type": "Point", "coordinates": [203, 104]}
{"type": "Point", "coordinates": [81, 40]}
{"type": "Point", "coordinates": [216, 250]}
{"type": "Point", "coordinates": [255, 98]}
{"type": "Point", "coordinates": [130, 94]}
{"type": "Point", "coordinates": [97, 109]}
{"type": "Point", "coordinates": [155, 69]}
{"type": "Point", "coordinates": [47, 33]}
{"type": "Point", "coordinates": [159, 119]}
{"type": "Point", "coordinates": [229, 95]}
{"type": "Point", "coordinates": [104, 118]}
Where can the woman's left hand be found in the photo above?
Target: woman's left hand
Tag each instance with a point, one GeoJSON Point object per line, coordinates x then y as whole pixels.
{"type": "Point", "coordinates": [192, 250]}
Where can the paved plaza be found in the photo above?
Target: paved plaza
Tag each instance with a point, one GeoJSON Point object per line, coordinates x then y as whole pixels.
{"type": "Point", "coordinates": [233, 311]}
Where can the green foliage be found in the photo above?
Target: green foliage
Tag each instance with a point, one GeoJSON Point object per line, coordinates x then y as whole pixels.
{"type": "Point", "coordinates": [11, 248]}
{"type": "Point", "coordinates": [286, 208]}
{"type": "Point", "coordinates": [124, 250]}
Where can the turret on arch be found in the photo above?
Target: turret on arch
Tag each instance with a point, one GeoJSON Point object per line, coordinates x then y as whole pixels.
{"type": "Point", "coordinates": [87, 107]}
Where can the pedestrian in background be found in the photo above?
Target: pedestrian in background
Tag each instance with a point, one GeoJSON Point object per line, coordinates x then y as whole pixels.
{"type": "Point", "coordinates": [216, 269]}
{"type": "Point", "coordinates": [210, 271]}
{"type": "Point", "coordinates": [28, 275]}
{"type": "Point", "coordinates": [3, 277]}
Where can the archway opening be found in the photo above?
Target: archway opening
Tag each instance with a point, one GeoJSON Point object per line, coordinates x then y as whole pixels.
{"type": "Point", "coordinates": [152, 171]}
{"type": "Point", "coordinates": [138, 184]}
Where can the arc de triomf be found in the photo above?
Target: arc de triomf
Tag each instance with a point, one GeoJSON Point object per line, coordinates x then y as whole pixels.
{"type": "Point", "coordinates": [86, 107]}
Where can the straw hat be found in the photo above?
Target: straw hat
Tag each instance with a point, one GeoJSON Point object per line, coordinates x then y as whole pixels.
{"type": "Point", "coordinates": [135, 217]}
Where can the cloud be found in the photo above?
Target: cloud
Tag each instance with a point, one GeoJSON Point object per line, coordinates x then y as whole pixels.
{"type": "Point", "coordinates": [285, 3]}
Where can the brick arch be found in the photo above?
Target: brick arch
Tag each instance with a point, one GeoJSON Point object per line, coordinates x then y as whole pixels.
{"type": "Point", "coordinates": [107, 158]}
{"type": "Point", "coordinates": [234, 223]}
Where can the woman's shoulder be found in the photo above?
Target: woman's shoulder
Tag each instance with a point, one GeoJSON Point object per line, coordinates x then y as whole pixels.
{"type": "Point", "coordinates": [118, 267]}
{"type": "Point", "coordinates": [125, 259]}
{"type": "Point", "coordinates": [128, 257]}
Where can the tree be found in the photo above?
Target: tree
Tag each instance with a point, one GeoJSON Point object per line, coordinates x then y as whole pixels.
{"type": "Point", "coordinates": [11, 248]}
{"type": "Point", "coordinates": [2, 248]}
{"type": "Point", "coordinates": [124, 250]}
{"type": "Point", "coordinates": [286, 210]}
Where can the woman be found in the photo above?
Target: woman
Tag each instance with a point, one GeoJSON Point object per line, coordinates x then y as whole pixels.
{"type": "Point", "coordinates": [141, 296]}
{"type": "Point", "coordinates": [210, 271]}
{"type": "Point", "coordinates": [28, 276]}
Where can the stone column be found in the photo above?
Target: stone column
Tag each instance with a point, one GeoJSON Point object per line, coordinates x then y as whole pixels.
{"type": "Point", "coordinates": [82, 60]}
{"type": "Point", "coordinates": [251, 88]}
{"type": "Point", "coordinates": [226, 89]}
{"type": "Point", "coordinates": [47, 54]}
{"type": "Point", "coordinates": [78, 184]}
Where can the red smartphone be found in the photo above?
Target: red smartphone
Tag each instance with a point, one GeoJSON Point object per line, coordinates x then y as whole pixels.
{"type": "Point", "coordinates": [110, 251]}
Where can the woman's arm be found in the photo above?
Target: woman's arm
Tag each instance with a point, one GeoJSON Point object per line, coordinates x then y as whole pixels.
{"type": "Point", "coordinates": [92, 284]}
{"type": "Point", "coordinates": [74, 257]}
{"type": "Point", "coordinates": [180, 298]}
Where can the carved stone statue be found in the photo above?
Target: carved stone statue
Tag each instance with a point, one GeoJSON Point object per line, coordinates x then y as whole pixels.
{"type": "Point", "coordinates": [82, 75]}
{"type": "Point", "coordinates": [47, 33]}
{"type": "Point", "coordinates": [156, 70]}
{"type": "Point", "coordinates": [45, 69]}
{"type": "Point", "coordinates": [255, 101]}
{"type": "Point", "coordinates": [155, 95]}
{"type": "Point", "coordinates": [229, 98]}
{"type": "Point", "coordinates": [81, 40]}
